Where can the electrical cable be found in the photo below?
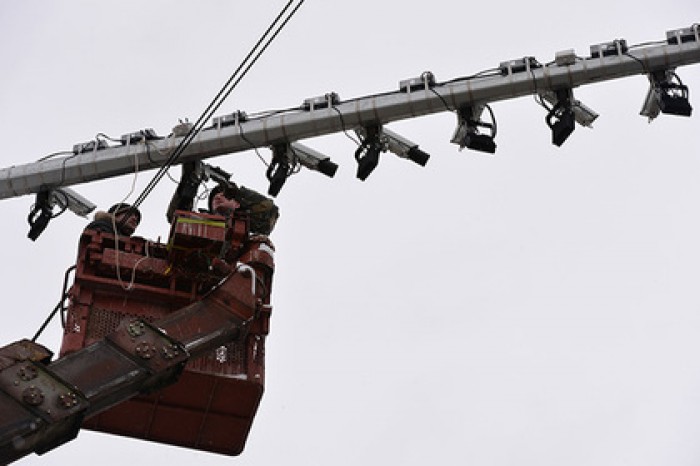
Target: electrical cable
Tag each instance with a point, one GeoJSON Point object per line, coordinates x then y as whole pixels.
{"type": "Point", "coordinates": [47, 157]}
{"type": "Point", "coordinates": [494, 126]}
{"type": "Point", "coordinates": [148, 154]}
{"type": "Point", "coordinates": [480, 74]}
{"type": "Point", "coordinates": [539, 100]}
{"type": "Point", "coordinates": [115, 227]}
{"type": "Point", "coordinates": [345, 129]}
{"type": "Point", "coordinates": [150, 159]}
{"type": "Point", "coordinates": [530, 68]}
{"type": "Point", "coordinates": [58, 307]}
{"type": "Point", "coordinates": [104, 136]}
{"type": "Point", "coordinates": [130, 286]}
{"type": "Point", "coordinates": [644, 67]}
{"type": "Point", "coordinates": [537, 96]}
{"type": "Point", "coordinates": [233, 81]}
{"type": "Point", "coordinates": [269, 113]}
{"type": "Point", "coordinates": [678, 78]}
{"type": "Point", "coordinates": [444, 102]}
{"type": "Point", "coordinates": [196, 127]}
{"type": "Point", "coordinates": [46, 322]}
{"type": "Point", "coordinates": [63, 168]}
{"type": "Point", "coordinates": [257, 152]}
{"type": "Point", "coordinates": [295, 165]}
{"type": "Point", "coordinates": [647, 44]}
{"type": "Point", "coordinates": [65, 294]}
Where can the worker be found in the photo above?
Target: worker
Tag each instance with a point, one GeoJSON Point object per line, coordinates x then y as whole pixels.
{"type": "Point", "coordinates": [262, 211]}
{"type": "Point", "coordinates": [186, 191]}
{"type": "Point", "coordinates": [124, 216]}
{"type": "Point", "coordinates": [224, 199]}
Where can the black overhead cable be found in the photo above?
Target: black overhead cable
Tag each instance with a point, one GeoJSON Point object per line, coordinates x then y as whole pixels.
{"type": "Point", "coordinates": [232, 82]}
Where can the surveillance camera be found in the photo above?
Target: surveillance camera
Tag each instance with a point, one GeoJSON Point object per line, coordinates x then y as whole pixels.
{"type": "Point", "coordinates": [398, 145]}
{"type": "Point", "coordinates": [405, 148]}
{"type": "Point", "coordinates": [313, 159]}
{"type": "Point", "coordinates": [584, 115]}
{"type": "Point", "coordinates": [66, 198]}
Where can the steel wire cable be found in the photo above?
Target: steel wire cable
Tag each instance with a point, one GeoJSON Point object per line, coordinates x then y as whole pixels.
{"type": "Point", "coordinates": [256, 52]}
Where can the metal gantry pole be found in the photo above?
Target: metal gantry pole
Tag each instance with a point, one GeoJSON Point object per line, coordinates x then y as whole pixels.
{"type": "Point", "coordinates": [509, 81]}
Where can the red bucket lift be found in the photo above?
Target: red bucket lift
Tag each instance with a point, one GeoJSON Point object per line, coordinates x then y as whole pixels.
{"type": "Point", "coordinates": [213, 404]}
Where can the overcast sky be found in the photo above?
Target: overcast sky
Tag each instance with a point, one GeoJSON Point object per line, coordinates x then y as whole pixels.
{"type": "Point", "coordinates": [537, 307]}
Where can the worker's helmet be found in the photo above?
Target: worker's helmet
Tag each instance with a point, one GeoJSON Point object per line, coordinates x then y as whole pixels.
{"type": "Point", "coordinates": [121, 208]}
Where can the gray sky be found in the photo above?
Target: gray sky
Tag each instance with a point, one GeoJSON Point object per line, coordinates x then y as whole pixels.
{"type": "Point", "coordinates": [539, 307]}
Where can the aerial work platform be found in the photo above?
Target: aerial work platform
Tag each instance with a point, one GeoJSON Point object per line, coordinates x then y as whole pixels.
{"type": "Point", "coordinates": [117, 280]}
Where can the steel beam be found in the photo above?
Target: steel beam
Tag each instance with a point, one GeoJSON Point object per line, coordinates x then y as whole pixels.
{"type": "Point", "coordinates": [346, 115]}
